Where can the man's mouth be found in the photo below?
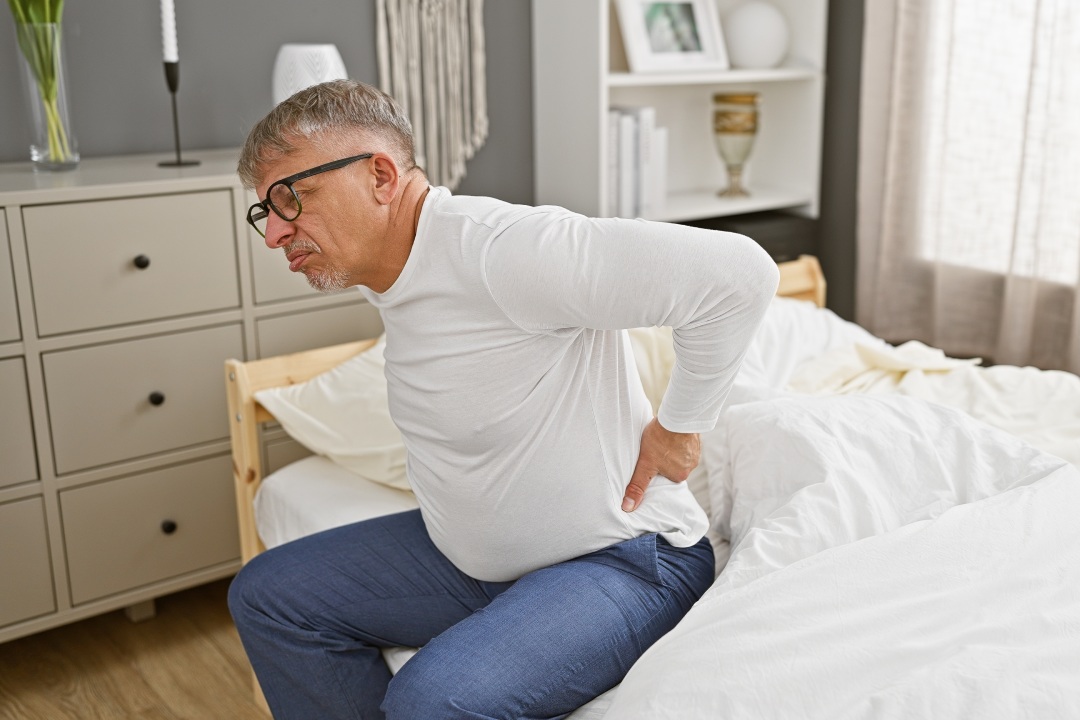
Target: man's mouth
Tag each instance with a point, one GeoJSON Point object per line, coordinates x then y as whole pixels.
{"type": "Point", "coordinates": [297, 260]}
{"type": "Point", "coordinates": [298, 252]}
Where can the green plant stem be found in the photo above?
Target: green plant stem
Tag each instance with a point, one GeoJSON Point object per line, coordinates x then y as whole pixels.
{"type": "Point", "coordinates": [40, 45]}
{"type": "Point", "coordinates": [59, 150]}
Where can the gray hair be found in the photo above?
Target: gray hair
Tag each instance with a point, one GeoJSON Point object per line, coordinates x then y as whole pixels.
{"type": "Point", "coordinates": [328, 115]}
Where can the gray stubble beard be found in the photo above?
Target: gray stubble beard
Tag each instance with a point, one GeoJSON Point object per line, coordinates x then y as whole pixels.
{"type": "Point", "coordinates": [329, 280]}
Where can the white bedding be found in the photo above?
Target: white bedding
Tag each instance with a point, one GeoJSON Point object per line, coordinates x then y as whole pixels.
{"type": "Point", "coordinates": [891, 558]}
{"type": "Point", "coordinates": [1040, 406]}
{"type": "Point", "coordinates": [315, 494]}
{"type": "Point", "coordinates": [888, 557]}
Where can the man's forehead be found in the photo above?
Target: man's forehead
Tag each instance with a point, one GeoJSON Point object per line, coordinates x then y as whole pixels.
{"type": "Point", "coordinates": [280, 165]}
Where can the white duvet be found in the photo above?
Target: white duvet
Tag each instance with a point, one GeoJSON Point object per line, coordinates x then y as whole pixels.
{"type": "Point", "coordinates": [891, 558]}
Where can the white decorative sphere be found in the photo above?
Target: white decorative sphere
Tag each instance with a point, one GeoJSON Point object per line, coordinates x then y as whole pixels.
{"type": "Point", "coordinates": [756, 33]}
{"type": "Point", "coordinates": [301, 65]}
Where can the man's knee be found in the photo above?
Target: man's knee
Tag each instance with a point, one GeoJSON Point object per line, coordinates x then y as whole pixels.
{"type": "Point", "coordinates": [443, 690]}
{"type": "Point", "coordinates": [243, 593]}
{"type": "Point", "coordinates": [255, 588]}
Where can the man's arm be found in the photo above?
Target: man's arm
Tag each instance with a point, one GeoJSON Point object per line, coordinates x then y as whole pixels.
{"type": "Point", "coordinates": [561, 270]}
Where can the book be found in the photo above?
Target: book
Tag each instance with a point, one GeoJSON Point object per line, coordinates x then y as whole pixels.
{"type": "Point", "coordinates": [627, 206]}
{"type": "Point", "coordinates": [641, 170]}
{"type": "Point", "coordinates": [644, 171]}
{"type": "Point", "coordinates": [659, 187]}
{"type": "Point", "coordinates": [611, 208]}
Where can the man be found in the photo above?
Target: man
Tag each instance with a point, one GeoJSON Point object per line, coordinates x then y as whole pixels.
{"type": "Point", "coordinates": [554, 542]}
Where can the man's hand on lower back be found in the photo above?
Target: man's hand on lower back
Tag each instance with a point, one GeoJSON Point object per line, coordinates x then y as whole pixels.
{"type": "Point", "coordinates": [663, 452]}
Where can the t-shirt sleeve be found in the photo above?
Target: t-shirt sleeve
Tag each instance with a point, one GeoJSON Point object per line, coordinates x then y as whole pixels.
{"type": "Point", "coordinates": [555, 271]}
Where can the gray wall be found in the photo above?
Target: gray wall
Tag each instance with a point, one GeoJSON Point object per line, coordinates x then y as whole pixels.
{"type": "Point", "coordinates": [120, 103]}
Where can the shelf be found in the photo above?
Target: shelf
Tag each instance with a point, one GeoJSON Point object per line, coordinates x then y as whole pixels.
{"type": "Point", "coordinates": [704, 203]}
{"type": "Point", "coordinates": [725, 77]}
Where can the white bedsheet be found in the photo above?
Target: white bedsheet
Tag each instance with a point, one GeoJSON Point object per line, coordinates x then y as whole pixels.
{"type": "Point", "coordinates": [315, 494]}
{"type": "Point", "coordinates": [892, 559]}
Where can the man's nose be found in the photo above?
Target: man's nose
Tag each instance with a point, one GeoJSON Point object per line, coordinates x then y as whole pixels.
{"type": "Point", "coordinates": [278, 231]}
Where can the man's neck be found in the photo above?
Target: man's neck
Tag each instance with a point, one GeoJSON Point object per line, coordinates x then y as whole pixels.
{"type": "Point", "coordinates": [401, 230]}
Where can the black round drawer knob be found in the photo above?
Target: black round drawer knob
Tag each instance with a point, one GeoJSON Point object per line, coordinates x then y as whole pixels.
{"type": "Point", "coordinates": [142, 262]}
{"type": "Point", "coordinates": [168, 527]}
{"type": "Point", "coordinates": [157, 398]}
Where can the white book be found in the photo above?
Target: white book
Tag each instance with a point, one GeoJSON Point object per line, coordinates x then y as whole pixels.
{"type": "Point", "coordinates": [659, 188]}
{"type": "Point", "coordinates": [612, 196]}
{"type": "Point", "coordinates": [627, 165]}
{"type": "Point", "coordinates": [644, 124]}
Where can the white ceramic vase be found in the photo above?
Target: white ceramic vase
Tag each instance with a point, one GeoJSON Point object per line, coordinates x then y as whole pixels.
{"type": "Point", "coordinates": [757, 35]}
{"type": "Point", "coordinates": [301, 65]}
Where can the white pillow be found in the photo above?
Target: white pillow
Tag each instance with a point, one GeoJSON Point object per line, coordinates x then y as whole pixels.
{"type": "Point", "coordinates": [793, 331]}
{"type": "Point", "coordinates": [654, 355]}
{"type": "Point", "coordinates": [343, 414]}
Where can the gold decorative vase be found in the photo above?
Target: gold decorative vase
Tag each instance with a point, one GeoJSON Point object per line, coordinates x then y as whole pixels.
{"type": "Point", "coordinates": [735, 123]}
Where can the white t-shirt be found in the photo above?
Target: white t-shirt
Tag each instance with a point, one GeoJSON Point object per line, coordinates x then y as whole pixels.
{"type": "Point", "coordinates": [513, 383]}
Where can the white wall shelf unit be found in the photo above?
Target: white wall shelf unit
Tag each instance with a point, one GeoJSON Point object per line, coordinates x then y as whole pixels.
{"type": "Point", "coordinates": [580, 70]}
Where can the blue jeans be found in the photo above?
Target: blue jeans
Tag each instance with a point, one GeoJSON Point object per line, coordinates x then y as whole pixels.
{"type": "Point", "coordinates": [313, 613]}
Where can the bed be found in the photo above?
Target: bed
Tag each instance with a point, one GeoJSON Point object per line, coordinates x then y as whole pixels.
{"type": "Point", "coordinates": [895, 530]}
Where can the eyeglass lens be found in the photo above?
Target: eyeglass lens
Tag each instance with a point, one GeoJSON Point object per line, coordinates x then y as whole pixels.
{"type": "Point", "coordinates": [284, 201]}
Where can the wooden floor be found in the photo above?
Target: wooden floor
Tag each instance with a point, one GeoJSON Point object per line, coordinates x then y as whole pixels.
{"type": "Point", "coordinates": [186, 663]}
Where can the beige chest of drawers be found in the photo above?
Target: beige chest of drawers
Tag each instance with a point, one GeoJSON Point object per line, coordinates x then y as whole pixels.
{"type": "Point", "coordinates": [123, 289]}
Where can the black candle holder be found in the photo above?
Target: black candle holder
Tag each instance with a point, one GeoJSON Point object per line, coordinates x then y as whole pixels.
{"type": "Point", "coordinates": [172, 77]}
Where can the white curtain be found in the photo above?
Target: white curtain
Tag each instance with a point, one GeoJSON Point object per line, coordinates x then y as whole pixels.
{"type": "Point", "coordinates": [432, 61]}
{"type": "Point", "coordinates": [969, 178]}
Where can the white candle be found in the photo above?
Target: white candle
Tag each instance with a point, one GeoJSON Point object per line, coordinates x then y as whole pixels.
{"type": "Point", "coordinates": [168, 32]}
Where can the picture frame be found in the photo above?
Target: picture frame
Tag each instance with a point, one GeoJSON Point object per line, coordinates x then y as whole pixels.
{"type": "Point", "coordinates": [673, 36]}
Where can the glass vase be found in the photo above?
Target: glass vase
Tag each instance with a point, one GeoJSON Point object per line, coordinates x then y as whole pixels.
{"type": "Point", "coordinates": [52, 143]}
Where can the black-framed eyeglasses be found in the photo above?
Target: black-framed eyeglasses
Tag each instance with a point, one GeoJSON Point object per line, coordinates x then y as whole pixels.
{"type": "Point", "coordinates": [282, 198]}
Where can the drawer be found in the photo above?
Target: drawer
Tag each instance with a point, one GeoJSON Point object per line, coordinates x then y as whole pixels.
{"type": "Point", "coordinates": [102, 402]}
{"type": "Point", "coordinates": [9, 318]}
{"type": "Point", "coordinates": [317, 328]}
{"type": "Point", "coordinates": [85, 257]}
{"type": "Point", "coordinates": [145, 528]}
{"type": "Point", "coordinates": [27, 587]}
{"type": "Point", "coordinates": [19, 462]}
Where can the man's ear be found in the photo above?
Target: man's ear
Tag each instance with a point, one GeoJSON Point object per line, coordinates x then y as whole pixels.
{"type": "Point", "coordinates": [385, 173]}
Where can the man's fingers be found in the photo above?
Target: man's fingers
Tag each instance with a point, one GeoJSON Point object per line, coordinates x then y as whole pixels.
{"type": "Point", "coordinates": [635, 491]}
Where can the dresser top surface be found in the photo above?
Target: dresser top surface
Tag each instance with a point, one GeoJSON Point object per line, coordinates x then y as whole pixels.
{"type": "Point", "coordinates": [20, 183]}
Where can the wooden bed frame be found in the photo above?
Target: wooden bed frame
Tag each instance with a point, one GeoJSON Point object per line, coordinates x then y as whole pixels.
{"type": "Point", "coordinates": [801, 279]}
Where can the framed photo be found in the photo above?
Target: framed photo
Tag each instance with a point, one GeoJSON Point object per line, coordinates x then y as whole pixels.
{"type": "Point", "coordinates": [672, 36]}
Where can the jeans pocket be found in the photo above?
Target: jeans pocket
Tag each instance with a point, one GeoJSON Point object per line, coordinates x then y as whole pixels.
{"type": "Point", "coordinates": [637, 556]}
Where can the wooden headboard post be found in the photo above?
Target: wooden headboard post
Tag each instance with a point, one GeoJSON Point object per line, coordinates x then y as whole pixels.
{"type": "Point", "coordinates": [802, 279]}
